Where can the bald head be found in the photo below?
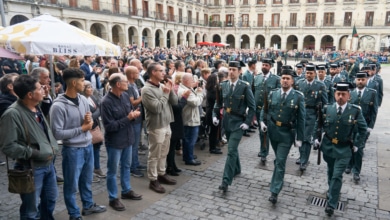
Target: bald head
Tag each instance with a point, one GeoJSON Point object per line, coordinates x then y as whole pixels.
{"type": "Point", "coordinates": [115, 78]}
{"type": "Point", "coordinates": [132, 73]}
{"type": "Point", "coordinates": [136, 63]}
{"type": "Point", "coordinates": [187, 79]}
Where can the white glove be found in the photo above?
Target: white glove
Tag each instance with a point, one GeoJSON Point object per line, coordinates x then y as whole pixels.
{"type": "Point", "coordinates": [316, 144]}
{"type": "Point", "coordinates": [263, 127]}
{"type": "Point", "coordinates": [369, 130]}
{"type": "Point", "coordinates": [215, 121]}
{"type": "Point", "coordinates": [298, 143]}
{"type": "Point", "coordinates": [355, 149]}
{"type": "Point", "coordinates": [244, 126]}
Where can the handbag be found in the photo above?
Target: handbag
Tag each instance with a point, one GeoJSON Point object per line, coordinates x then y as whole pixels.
{"type": "Point", "coordinates": [97, 135]}
{"type": "Point", "coordinates": [21, 181]}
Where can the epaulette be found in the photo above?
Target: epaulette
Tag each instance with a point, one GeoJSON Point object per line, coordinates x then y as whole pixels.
{"type": "Point", "coordinates": [245, 82]}
{"type": "Point", "coordinates": [370, 89]}
{"type": "Point", "coordinates": [356, 106]}
{"type": "Point", "coordinates": [299, 92]}
{"type": "Point", "coordinates": [274, 89]}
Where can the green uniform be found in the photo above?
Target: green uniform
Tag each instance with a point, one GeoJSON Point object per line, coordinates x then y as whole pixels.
{"type": "Point", "coordinates": [329, 90]}
{"type": "Point", "coordinates": [314, 94]}
{"type": "Point", "coordinates": [235, 104]}
{"type": "Point", "coordinates": [262, 88]}
{"type": "Point", "coordinates": [285, 121]}
{"type": "Point", "coordinates": [336, 144]}
{"type": "Point", "coordinates": [368, 103]}
{"type": "Point", "coordinates": [374, 84]}
{"type": "Point", "coordinates": [248, 76]}
{"type": "Point", "coordinates": [353, 68]}
{"type": "Point", "coordinates": [379, 79]}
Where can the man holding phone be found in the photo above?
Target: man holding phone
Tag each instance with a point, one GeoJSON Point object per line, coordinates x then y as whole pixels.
{"type": "Point", "coordinates": [91, 73]}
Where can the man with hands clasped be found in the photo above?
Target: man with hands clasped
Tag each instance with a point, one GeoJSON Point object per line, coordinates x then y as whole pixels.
{"type": "Point", "coordinates": [285, 117]}
{"type": "Point", "coordinates": [235, 96]}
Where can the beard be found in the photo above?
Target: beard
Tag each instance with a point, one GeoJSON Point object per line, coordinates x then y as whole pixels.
{"type": "Point", "coordinates": [264, 70]}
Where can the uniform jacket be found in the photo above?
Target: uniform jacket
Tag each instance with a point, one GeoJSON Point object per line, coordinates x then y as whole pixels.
{"type": "Point", "coordinates": [248, 77]}
{"type": "Point", "coordinates": [379, 79]}
{"type": "Point", "coordinates": [340, 130]}
{"type": "Point", "coordinates": [368, 103]}
{"type": "Point", "coordinates": [329, 90]}
{"type": "Point", "coordinates": [235, 105]}
{"type": "Point", "coordinates": [374, 84]}
{"type": "Point", "coordinates": [263, 88]}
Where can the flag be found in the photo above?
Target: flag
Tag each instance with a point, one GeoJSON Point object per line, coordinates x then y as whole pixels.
{"type": "Point", "coordinates": [354, 32]}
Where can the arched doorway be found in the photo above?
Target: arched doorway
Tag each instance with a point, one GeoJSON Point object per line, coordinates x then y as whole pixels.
{"type": "Point", "coordinates": [159, 38]}
{"type": "Point", "coordinates": [133, 35]}
{"type": "Point", "coordinates": [99, 30]}
{"type": "Point", "coordinates": [77, 24]}
{"type": "Point", "coordinates": [309, 43]}
{"type": "Point", "coordinates": [244, 42]}
{"type": "Point", "coordinates": [366, 43]}
{"type": "Point", "coordinates": [204, 38]}
{"type": "Point", "coordinates": [189, 39]}
{"type": "Point", "coordinates": [292, 42]}
{"type": "Point", "coordinates": [260, 41]}
{"type": "Point", "coordinates": [343, 42]}
{"type": "Point", "coordinates": [147, 38]}
{"type": "Point", "coordinates": [197, 38]}
{"type": "Point", "coordinates": [118, 35]}
{"type": "Point", "coordinates": [180, 38]}
{"type": "Point", "coordinates": [327, 42]}
{"type": "Point", "coordinates": [276, 42]}
{"type": "Point", "coordinates": [231, 40]}
{"type": "Point", "coordinates": [216, 38]}
{"type": "Point", "coordinates": [17, 19]}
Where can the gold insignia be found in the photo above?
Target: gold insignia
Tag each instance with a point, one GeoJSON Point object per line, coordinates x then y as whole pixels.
{"type": "Point", "coordinates": [335, 141]}
{"type": "Point", "coordinates": [278, 123]}
{"type": "Point", "coordinates": [228, 110]}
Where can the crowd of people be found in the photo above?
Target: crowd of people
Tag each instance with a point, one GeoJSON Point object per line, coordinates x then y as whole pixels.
{"type": "Point", "coordinates": [177, 96]}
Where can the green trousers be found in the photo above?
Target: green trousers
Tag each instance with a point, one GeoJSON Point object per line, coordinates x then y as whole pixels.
{"type": "Point", "coordinates": [232, 164]}
{"type": "Point", "coordinates": [336, 168]}
{"type": "Point", "coordinates": [264, 149]}
{"type": "Point", "coordinates": [281, 150]}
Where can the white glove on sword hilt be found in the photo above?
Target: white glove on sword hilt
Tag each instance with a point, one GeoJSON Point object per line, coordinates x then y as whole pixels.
{"type": "Point", "coordinates": [316, 144]}
{"type": "Point", "coordinates": [215, 121]}
{"type": "Point", "coordinates": [263, 127]}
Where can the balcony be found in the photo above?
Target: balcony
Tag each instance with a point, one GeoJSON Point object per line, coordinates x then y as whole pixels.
{"type": "Point", "coordinates": [215, 23]}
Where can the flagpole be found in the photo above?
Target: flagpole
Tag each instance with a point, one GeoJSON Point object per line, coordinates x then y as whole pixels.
{"type": "Point", "coordinates": [350, 46]}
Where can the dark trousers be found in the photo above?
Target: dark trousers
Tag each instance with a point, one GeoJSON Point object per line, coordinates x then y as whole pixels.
{"type": "Point", "coordinates": [213, 137]}
{"type": "Point", "coordinates": [171, 164]}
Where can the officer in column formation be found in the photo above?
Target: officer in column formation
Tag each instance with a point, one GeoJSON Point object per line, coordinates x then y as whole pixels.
{"type": "Point", "coordinates": [353, 68]}
{"type": "Point", "coordinates": [316, 96]}
{"type": "Point", "coordinates": [321, 76]}
{"type": "Point", "coordinates": [299, 72]}
{"type": "Point", "coordinates": [249, 76]}
{"type": "Point", "coordinates": [241, 77]}
{"type": "Point", "coordinates": [284, 119]}
{"type": "Point", "coordinates": [235, 96]}
{"type": "Point", "coordinates": [367, 100]}
{"type": "Point", "coordinates": [371, 82]}
{"type": "Point", "coordinates": [264, 83]}
{"type": "Point", "coordinates": [344, 73]}
{"type": "Point", "coordinates": [333, 76]}
{"type": "Point", "coordinates": [340, 120]}
{"type": "Point", "coordinates": [379, 79]}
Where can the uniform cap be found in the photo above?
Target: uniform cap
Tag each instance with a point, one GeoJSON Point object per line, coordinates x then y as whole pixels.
{"type": "Point", "coordinates": [288, 72]}
{"type": "Point", "coordinates": [334, 65]}
{"type": "Point", "coordinates": [361, 75]}
{"type": "Point", "coordinates": [287, 67]}
{"type": "Point", "coordinates": [268, 60]}
{"type": "Point", "coordinates": [343, 86]}
{"type": "Point", "coordinates": [299, 65]}
{"type": "Point", "coordinates": [366, 68]}
{"type": "Point", "coordinates": [321, 67]}
{"type": "Point", "coordinates": [234, 64]}
{"type": "Point", "coordinates": [310, 68]}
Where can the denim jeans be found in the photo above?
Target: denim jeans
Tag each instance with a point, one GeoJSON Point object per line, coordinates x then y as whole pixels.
{"type": "Point", "coordinates": [96, 156]}
{"type": "Point", "coordinates": [190, 136]}
{"type": "Point", "coordinates": [134, 155]}
{"type": "Point", "coordinates": [45, 192]}
{"type": "Point", "coordinates": [114, 157]}
{"type": "Point", "coordinates": [77, 168]}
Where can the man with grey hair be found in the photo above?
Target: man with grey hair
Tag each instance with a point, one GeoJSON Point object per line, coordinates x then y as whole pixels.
{"type": "Point", "coordinates": [191, 117]}
{"type": "Point", "coordinates": [43, 76]}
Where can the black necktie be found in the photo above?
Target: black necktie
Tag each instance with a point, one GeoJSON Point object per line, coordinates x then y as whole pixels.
{"type": "Point", "coordinates": [231, 88]}
{"type": "Point", "coordinates": [283, 96]}
{"type": "Point", "coordinates": [339, 111]}
{"type": "Point", "coordinates": [359, 94]}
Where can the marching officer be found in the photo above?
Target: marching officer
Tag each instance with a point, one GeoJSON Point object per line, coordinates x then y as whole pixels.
{"type": "Point", "coordinates": [321, 76]}
{"type": "Point", "coordinates": [333, 74]}
{"type": "Point", "coordinates": [340, 120]}
{"type": "Point", "coordinates": [264, 83]}
{"type": "Point", "coordinates": [315, 95]}
{"type": "Point", "coordinates": [299, 72]}
{"type": "Point", "coordinates": [235, 96]}
{"type": "Point", "coordinates": [379, 79]}
{"type": "Point", "coordinates": [366, 99]}
{"type": "Point", "coordinates": [285, 119]}
{"type": "Point", "coordinates": [353, 68]}
{"type": "Point", "coordinates": [372, 83]}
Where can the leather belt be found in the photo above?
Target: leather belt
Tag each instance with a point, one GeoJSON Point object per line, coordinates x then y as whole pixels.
{"type": "Point", "coordinates": [281, 124]}
{"type": "Point", "coordinates": [311, 106]}
{"type": "Point", "coordinates": [336, 141]}
{"type": "Point", "coordinates": [230, 111]}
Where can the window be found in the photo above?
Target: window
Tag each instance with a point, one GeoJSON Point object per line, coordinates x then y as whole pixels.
{"type": "Point", "coordinates": [387, 19]}
{"type": "Point", "coordinates": [115, 6]}
{"type": "Point", "coordinates": [294, 1]}
{"type": "Point", "coordinates": [145, 8]}
{"type": "Point", "coordinates": [329, 19]}
{"type": "Point", "coordinates": [347, 19]}
{"type": "Point", "coordinates": [311, 1]}
{"type": "Point", "coordinates": [229, 2]}
{"type": "Point", "coordinates": [171, 13]}
{"type": "Point", "coordinates": [215, 22]}
{"type": "Point", "coordinates": [134, 7]}
{"type": "Point", "coordinates": [369, 18]}
{"type": "Point", "coordinates": [73, 3]}
{"type": "Point", "coordinates": [245, 20]}
{"type": "Point", "coordinates": [95, 5]}
{"type": "Point", "coordinates": [197, 18]}
{"type": "Point", "coordinates": [229, 20]}
{"type": "Point", "coordinates": [206, 19]}
{"type": "Point", "coordinates": [277, 2]}
{"type": "Point", "coordinates": [245, 2]}
{"type": "Point", "coordinates": [260, 2]}
{"type": "Point", "coordinates": [275, 20]}
{"type": "Point", "coordinates": [216, 2]}
{"type": "Point", "coordinates": [310, 19]}
{"type": "Point", "coordinates": [330, 0]}
{"type": "Point", "coordinates": [180, 15]}
{"type": "Point", "coordinates": [189, 18]}
{"type": "Point", "coordinates": [260, 20]}
{"type": "Point", "coordinates": [159, 11]}
{"type": "Point", "coordinates": [293, 19]}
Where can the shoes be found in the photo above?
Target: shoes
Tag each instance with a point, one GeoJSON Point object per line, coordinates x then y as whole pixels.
{"type": "Point", "coordinates": [2, 163]}
{"type": "Point", "coordinates": [298, 161]}
{"type": "Point", "coordinates": [141, 152]}
{"type": "Point", "coordinates": [94, 209]}
{"type": "Point", "coordinates": [302, 166]}
{"type": "Point", "coordinates": [273, 198]}
{"type": "Point", "coordinates": [356, 177]}
{"type": "Point", "coordinates": [179, 152]}
{"type": "Point", "coordinates": [165, 179]}
{"type": "Point", "coordinates": [171, 172]}
{"type": "Point", "coordinates": [348, 170]}
{"type": "Point", "coordinates": [155, 186]}
{"type": "Point", "coordinates": [250, 131]}
{"type": "Point", "coordinates": [215, 151]}
{"type": "Point", "coordinates": [75, 218]}
{"type": "Point", "coordinates": [95, 179]}
{"type": "Point", "coordinates": [329, 211]}
{"type": "Point", "coordinates": [263, 160]}
{"type": "Point", "coordinates": [131, 195]}
{"type": "Point", "coordinates": [99, 173]}
{"type": "Point", "coordinates": [177, 170]}
{"type": "Point", "coordinates": [117, 205]}
{"type": "Point", "coordinates": [224, 187]}
{"type": "Point", "coordinates": [195, 157]}
{"type": "Point", "coordinates": [142, 167]}
{"type": "Point", "coordinates": [193, 162]}
{"type": "Point", "coordinates": [137, 173]}
{"type": "Point", "coordinates": [259, 154]}
{"type": "Point", "coordinates": [246, 134]}
{"type": "Point", "coordinates": [59, 180]}
{"type": "Point", "coordinates": [143, 147]}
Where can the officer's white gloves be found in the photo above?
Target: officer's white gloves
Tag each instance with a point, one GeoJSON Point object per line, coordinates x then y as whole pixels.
{"type": "Point", "coordinates": [316, 144]}
{"type": "Point", "coordinates": [355, 149]}
{"type": "Point", "coordinates": [263, 127]}
{"type": "Point", "coordinates": [298, 143]}
{"type": "Point", "coordinates": [369, 130]}
{"type": "Point", "coordinates": [244, 126]}
{"type": "Point", "coordinates": [215, 121]}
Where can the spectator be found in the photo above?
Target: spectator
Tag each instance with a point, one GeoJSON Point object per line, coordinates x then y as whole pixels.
{"type": "Point", "coordinates": [157, 100]}
{"type": "Point", "coordinates": [118, 116]}
{"type": "Point", "coordinates": [91, 72]}
{"type": "Point", "coordinates": [74, 62]}
{"type": "Point", "coordinates": [8, 95]}
{"type": "Point", "coordinates": [38, 149]}
{"type": "Point", "coordinates": [212, 88]}
{"type": "Point", "coordinates": [67, 112]}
